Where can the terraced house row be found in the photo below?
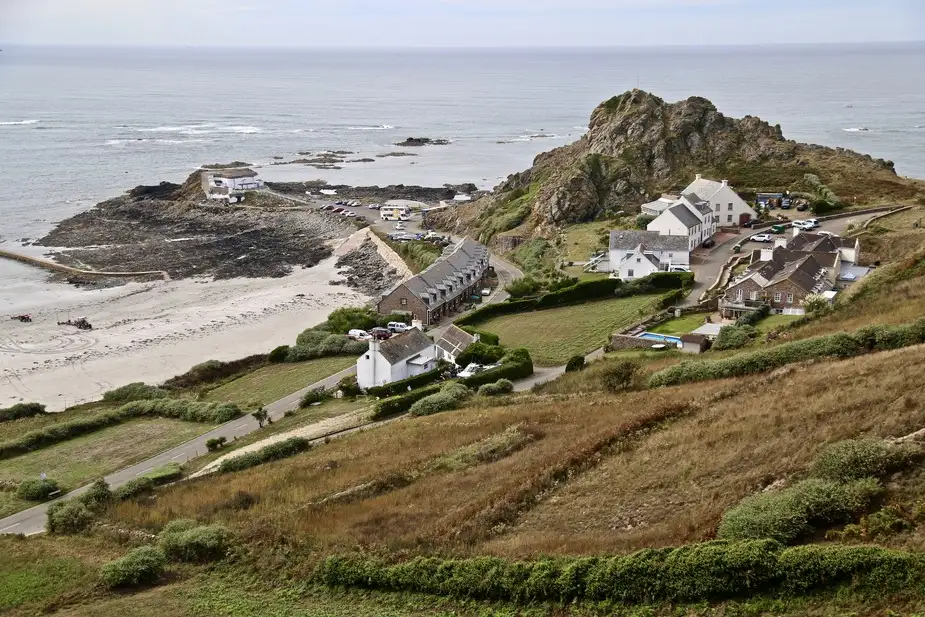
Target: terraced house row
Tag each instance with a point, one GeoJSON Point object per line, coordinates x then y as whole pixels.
{"type": "Point", "coordinates": [443, 287]}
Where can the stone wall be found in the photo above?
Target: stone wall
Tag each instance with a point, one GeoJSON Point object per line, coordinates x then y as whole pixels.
{"type": "Point", "coordinates": [622, 341]}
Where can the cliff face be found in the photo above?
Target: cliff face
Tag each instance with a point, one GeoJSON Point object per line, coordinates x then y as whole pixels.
{"type": "Point", "coordinates": [638, 146]}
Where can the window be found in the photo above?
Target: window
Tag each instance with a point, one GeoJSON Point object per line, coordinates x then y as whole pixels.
{"type": "Point", "coordinates": [404, 301]}
{"type": "Point", "coordinates": [729, 218]}
{"type": "Point", "coordinates": [789, 298]}
{"type": "Point", "coordinates": [753, 295]}
{"type": "Point", "coordinates": [777, 296]}
{"type": "Point", "coordinates": [638, 260]}
{"type": "Point", "coordinates": [718, 207]}
{"type": "Point", "coordinates": [740, 294]}
{"type": "Point", "coordinates": [730, 207]}
{"type": "Point", "coordinates": [629, 274]}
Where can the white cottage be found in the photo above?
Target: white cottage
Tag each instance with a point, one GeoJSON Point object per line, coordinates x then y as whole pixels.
{"type": "Point", "coordinates": [400, 357]}
{"type": "Point", "coordinates": [636, 254]}
{"type": "Point", "coordinates": [729, 210]}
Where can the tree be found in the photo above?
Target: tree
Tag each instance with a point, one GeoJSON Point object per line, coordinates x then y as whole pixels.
{"type": "Point", "coordinates": [262, 417]}
{"type": "Point", "coordinates": [619, 376]}
{"type": "Point", "coordinates": [643, 220]}
{"type": "Point", "coordinates": [575, 363]}
{"type": "Point", "coordinates": [523, 287]}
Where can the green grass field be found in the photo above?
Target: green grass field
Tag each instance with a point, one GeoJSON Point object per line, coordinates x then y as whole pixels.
{"type": "Point", "coordinates": [77, 461]}
{"type": "Point", "coordinates": [555, 335]}
{"type": "Point", "coordinates": [276, 381]}
{"type": "Point", "coordinates": [681, 325]}
{"type": "Point", "coordinates": [775, 321]}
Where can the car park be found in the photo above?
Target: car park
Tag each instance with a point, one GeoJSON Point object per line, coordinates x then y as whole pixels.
{"type": "Point", "coordinates": [762, 238]}
{"type": "Point", "coordinates": [398, 326]}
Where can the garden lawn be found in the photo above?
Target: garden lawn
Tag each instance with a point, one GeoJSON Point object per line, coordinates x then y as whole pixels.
{"type": "Point", "coordinates": [77, 461]}
{"type": "Point", "coordinates": [775, 321]}
{"type": "Point", "coordinates": [553, 336]}
{"type": "Point", "coordinates": [271, 383]}
{"type": "Point", "coordinates": [681, 325]}
{"type": "Point", "coordinates": [579, 241]}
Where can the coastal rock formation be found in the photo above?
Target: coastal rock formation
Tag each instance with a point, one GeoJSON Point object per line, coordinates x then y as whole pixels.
{"type": "Point", "coordinates": [376, 193]}
{"type": "Point", "coordinates": [638, 146]}
{"type": "Point", "coordinates": [174, 228]}
{"type": "Point", "coordinates": [394, 155]}
{"type": "Point", "coordinates": [367, 271]}
{"type": "Point", "coordinates": [417, 142]}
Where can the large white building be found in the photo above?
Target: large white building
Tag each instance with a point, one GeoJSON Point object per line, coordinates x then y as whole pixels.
{"type": "Point", "coordinates": [688, 216]}
{"type": "Point", "coordinates": [400, 357]}
{"type": "Point", "coordinates": [729, 210]}
{"type": "Point", "coordinates": [637, 254]}
{"type": "Point", "coordinates": [229, 185]}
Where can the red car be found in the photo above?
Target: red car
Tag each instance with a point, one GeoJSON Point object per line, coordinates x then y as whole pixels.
{"type": "Point", "coordinates": [381, 334]}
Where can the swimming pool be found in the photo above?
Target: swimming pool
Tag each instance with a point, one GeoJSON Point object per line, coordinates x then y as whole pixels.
{"type": "Point", "coordinates": [661, 338]}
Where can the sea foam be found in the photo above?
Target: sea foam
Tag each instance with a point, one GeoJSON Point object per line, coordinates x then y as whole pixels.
{"type": "Point", "coordinates": [19, 123]}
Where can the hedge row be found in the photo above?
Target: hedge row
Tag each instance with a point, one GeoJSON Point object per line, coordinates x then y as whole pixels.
{"type": "Point", "coordinates": [713, 571]}
{"type": "Point", "coordinates": [21, 410]}
{"type": "Point", "coordinates": [488, 338]}
{"type": "Point", "coordinates": [517, 364]}
{"type": "Point", "coordinates": [752, 318]}
{"type": "Point", "coordinates": [480, 352]}
{"type": "Point", "coordinates": [841, 345]}
{"type": "Point", "coordinates": [397, 405]}
{"type": "Point", "coordinates": [451, 396]}
{"type": "Point", "coordinates": [273, 452]}
{"type": "Point", "coordinates": [582, 292]}
{"type": "Point", "coordinates": [192, 411]}
{"type": "Point", "coordinates": [399, 387]}
{"type": "Point", "coordinates": [212, 371]}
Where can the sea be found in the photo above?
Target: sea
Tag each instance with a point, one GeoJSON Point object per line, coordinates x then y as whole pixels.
{"type": "Point", "coordinates": [78, 125]}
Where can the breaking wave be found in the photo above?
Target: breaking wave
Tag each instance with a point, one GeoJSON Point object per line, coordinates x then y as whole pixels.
{"type": "Point", "coordinates": [857, 129]}
{"type": "Point", "coordinates": [19, 123]}
{"type": "Point", "coordinates": [379, 127]}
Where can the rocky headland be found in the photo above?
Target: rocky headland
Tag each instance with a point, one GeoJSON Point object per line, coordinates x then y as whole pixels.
{"type": "Point", "coordinates": [639, 146]}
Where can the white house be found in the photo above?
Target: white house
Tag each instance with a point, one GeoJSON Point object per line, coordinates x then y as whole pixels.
{"type": "Point", "coordinates": [404, 355]}
{"type": "Point", "coordinates": [636, 254]}
{"type": "Point", "coordinates": [453, 342]}
{"type": "Point", "coordinates": [729, 210]}
{"type": "Point", "coordinates": [230, 184]}
{"type": "Point", "coordinates": [680, 220]}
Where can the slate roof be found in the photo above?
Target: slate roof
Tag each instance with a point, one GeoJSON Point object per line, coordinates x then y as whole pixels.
{"type": "Point", "coordinates": [784, 265]}
{"type": "Point", "coordinates": [235, 173]}
{"type": "Point", "coordinates": [687, 218]}
{"type": "Point", "coordinates": [697, 339]}
{"type": "Point", "coordinates": [801, 273]}
{"type": "Point", "coordinates": [627, 240]}
{"type": "Point", "coordinates": [404, 346]}
{"type": "Point", "coordinates": [707, 188]}
{"type": "Point", "coordinates": [459, 265]}
{"type": "Point", "coordinates": [455, 340]}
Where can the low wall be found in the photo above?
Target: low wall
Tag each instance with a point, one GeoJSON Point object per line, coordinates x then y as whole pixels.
{"type": "Point", "coordinates": [390, 256]}
{"type": "Point", "coordinates": [884, 215]}
{"type": "Point", "coordinates": [621, 341]}
{"type": "Point", "coordinates": [56, 267]}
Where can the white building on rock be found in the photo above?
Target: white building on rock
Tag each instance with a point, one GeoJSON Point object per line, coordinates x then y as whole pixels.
{"type": "Point", "coordinates": [229, 185]}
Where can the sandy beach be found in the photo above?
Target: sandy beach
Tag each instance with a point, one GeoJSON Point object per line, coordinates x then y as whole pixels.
{"type": "Point", "coordinates": [152, 331]}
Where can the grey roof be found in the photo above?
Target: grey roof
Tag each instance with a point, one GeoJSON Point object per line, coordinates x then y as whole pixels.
{"type": "Point", "coordinates": [235, 173]}
{"type": "Point", "coordinates": [459, 265]}
{"type": "Point", "coordinates": [687, 218]}
{"type": "Point", "coordinates": [404, 346]}
{"type": "Point", "coordinates": [801, 273]}
{"type": "Point", "coordinates": [455, 340]}
{"type": "Point", "coordinates": [627, 240]}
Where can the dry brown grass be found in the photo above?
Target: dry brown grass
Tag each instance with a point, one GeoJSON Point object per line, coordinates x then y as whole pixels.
{"type": "Point", "coordinates": [675, 485]}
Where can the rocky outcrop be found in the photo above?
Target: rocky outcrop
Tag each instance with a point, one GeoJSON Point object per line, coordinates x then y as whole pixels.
{"type": "Point", "coordinates": [638, 146]}
{"type": "Point", "coordinates": [367, 271]}
{"type": "Point", "coordinates": [424, 194]}
{"type": "Point", "coordinates": [417, 142]}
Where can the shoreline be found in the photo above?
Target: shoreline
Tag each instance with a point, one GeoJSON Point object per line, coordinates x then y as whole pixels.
{"type": "Point", "coordinates": [152, 331]}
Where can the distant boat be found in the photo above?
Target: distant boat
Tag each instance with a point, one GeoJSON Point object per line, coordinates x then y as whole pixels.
{"type": "Point", "coordinates": [848, 105]}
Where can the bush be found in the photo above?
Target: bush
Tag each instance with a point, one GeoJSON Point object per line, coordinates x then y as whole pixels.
{"type": "Point", "coordinates": [166, 473]}
{"type": "Point", "coordinates": [213, 371]}
{"type": "Point", "coordinates": [752, 318]}
{"type": "Point", "coordinates": [484, 337]}
{"type": "Point", "coordinates": [816, 303]}
{"type": "Point", "coordinates": [134, 488]}
{"type": "Point", "coordinates": [580, 292]}
{"type": "Point", "coordinates": [216, 443]}
{"type": "Point", "coordinates": [303, 353]}
{"type": "Point", "coordinates": [198, 544]}
{"type": "Point", "coordinates": [575, 364]}
{"type": "Point", "coordinates": [278, 355]}
{"type": "Point", "coordinates": [21, 410]}
{"type": "Point", "coordinates": [479, 352]}
{"type": "Point", "coordinates": [349, 386]}
{"type": "Point", "coordinates": [36, 490]}
{"type": "Point", "coordinates": [517, 364]}
{"type": "Point", "coordinates": [397, 405]}
{"type": "Point", "coordinates": [332, 345]}
{"type": "Point", "coordinates": [400, 387]}
{"type": "Point", "coordinates": [68, 517]}
{"type": "Point", "coordinates": [313, 337]}
{"type": "Point", "coordinates": [798, 511]}
{"type": "Point", "coordinates": [643, 220]}
{"type": "Point", "coordinates": [273, 452]}
{"type": "Point", "coordinates": [526, 286]}
{"type": "Point", "coordinates": [854, 459]}
{"type": "Point", "coordinates": [502, 386]}
{"type": "Point", "coordinates": [143, 566]}
{"type": "Point", "coordinates": [137, 391]}
{"type": "Point", "coordinates": [181, 409]}
{"type": "Point", "coordinates": [97, 497]}
{"type": "Point", "coordinates": [619, 376]}
{"type": "Point", "coordinates": [317, 395]}
{"type": "Point", "coordinates": [450, 396]}
{"type": "Point", "coordinates": [734, 337]}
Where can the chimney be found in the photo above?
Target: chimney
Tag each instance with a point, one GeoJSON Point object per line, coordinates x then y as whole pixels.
{"type": "Point", "coordinates": [767, 254]}
{"type": "Point", "coordinates": [699, 176]}
{"type": "Point", "coordinates": [780, 242]}
{"type": "Point", "coordinates": [725, 182]}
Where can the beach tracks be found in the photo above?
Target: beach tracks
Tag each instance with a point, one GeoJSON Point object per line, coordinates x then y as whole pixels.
{"type": "Point", "coordinates": [56, 267]}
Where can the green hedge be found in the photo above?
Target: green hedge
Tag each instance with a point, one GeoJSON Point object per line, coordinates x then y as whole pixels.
{"type": "Point", "coordinates": [143, 566]}
{"type": "Point", "coordinates": [134, 488]}
{"type": "Point", "coordinates": [734, 337]}
{"type": "Point", "coordinates": [841, 345]}
{"type": "Point", "coordinates": [399, 387]}
{"type": "Point", "coordinates": [397, 405]}
{"type": "Point", "coordinates": [137, 391]}
{"type": "Point", "coordinates": [854, 459]}
{"type": "Point", "coordinates": [194, 543]}
{"type": "Point", "coordinates": [212, 371]}
{"type": "Point", "coordinates": [36, 489]}
{"type": "Point", "coordinates": [493, 310]}
{"type": "Point", "coordinates": [452, 394]}
{"type": "Point", "coordinates": [713, 571]}
{"type": "Point", "coordinates": [502, 386]}
{"type": "Point", "coordinates": [480, 352]}
{"type": "Point", "coordinates": [267, 454]}
{"type": "Point", "coordinates": [517, 364]}
{"type": "Point", "coordinates": [484, 337]}
{"type": "Point", "coordinates": [21, 410]}
{"type": "Point", "coordinates": [752, 318]}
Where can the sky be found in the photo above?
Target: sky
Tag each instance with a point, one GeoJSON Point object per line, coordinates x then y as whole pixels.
{"type": "Point", "coordinates": [457, 23]}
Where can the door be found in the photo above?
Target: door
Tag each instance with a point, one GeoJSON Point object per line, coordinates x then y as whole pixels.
{"type": "Point", "coordinates": [744, 218]}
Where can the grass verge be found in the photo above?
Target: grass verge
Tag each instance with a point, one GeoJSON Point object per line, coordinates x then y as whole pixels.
{"type": "Point", "coordinates": [271, 383]}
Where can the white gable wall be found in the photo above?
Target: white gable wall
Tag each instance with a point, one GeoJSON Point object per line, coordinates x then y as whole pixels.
{"type": "Point", "coordinates": [668, 225]}
{"type": "Point", "coordinates": [636, 266]}
{"type": "Point", "coordinates": [724, 201]}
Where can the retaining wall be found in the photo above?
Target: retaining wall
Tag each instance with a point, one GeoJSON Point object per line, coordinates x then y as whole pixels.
{"type": "Point", "coordinates": [56, 267]}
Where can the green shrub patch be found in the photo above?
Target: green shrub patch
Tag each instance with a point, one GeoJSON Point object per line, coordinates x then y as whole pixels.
{"type": "Point", "coordinates": [400, 387]}
{"type": "Point", "coordinates": [854, 459]}
{"type": "Point", "coordinates": [194, 543]}
{"type": "Point", "coordinates": [451, 396]}
{"type": "Point", "coordinates": [516, 364]}
{"type": "Point", "coordinates": [143, 566]}
{"type": "Point", "coordinates": [36, 489]}
{"type": "Point", "coordinates": [273, 452]}
{"type": "Point", "coordinates": [397, 405]}
{"type": "Point", "coordinates": [502, 386]}
{"type": "Point", "coordinates": [21, 410]}
{"type": "Point", "coordinates": [133, 392]}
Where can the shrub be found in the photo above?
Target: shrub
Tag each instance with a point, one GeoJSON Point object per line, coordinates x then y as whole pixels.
{"type": "Point", "coordinates": [580, 292]}
{"type": "Point", "coordinates": [213, 371]}
{"type": "Point", "coordinates": [734, 337]}
{"type": "Point", "coordinates": [137, 391]}
{"type": "Point", "coordinates": [643, 220]}
{"type": "Point", "coordinates": [798, 511]}
{"type": "Point", "coordinates": [273, 452]}
{"type": "Point", "coordinates": [355, 348]}
{"type": "Point", "coordinates": [482, 353]}
{"type": "Point", "coordinates": [313, 337]}
{"type": "Point", "coordinates": [752, 318]}
{"type": "Point", "coordinates": [21, 410]}
{"type": "Point", "coordinates": [303, 353]}
{"type": "Point", "coordinates": [278, 355]}
{"type": "Point", "coordinates": [349, 386]}
{"type": "Point", "coordinates": [400, 387]}
{"type": "Point", "coordinates": [619, 376]}
{"type": "Point", "coordinates": [574, 364]}
{"type": "Point", "coordinates": [816, 303]}
{"type": "Point", "coordinates": [450, 396]}
{"type": "Point", "coordinates": [97, 497]}
{"type": "Point", "coordinates": [526, 286]}
{"type": "Point", "coordinates": [332, 345]}
{"type": "Point", "coordinates": [133, 488]}
{"type": "Point", "coordinates": [854, 459]}
{"type": "Point", "coordinates": [397, 405]}
{"type": "Point", "coordinates": [196, 544]}
{"type": "Point", "coordinates": [36, 490]}
{"type": "Point", "coordinates": [216, 443]}
{"type": "Point", "coordinates": [68, 517]}
{"type": "Point", "coordinates": [502, 386]}
{"type": "Point", "coordinates": [143, 566]}
{"type": "Point", "coordinates": [317, 395]}
{"type": "Point", "coordinates": [166, 473]}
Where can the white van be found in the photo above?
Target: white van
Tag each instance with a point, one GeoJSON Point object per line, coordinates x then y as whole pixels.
{"type": "Point", "coordinates": [359, 335]}
{"type": "Point", "coordinates": [398, 326]}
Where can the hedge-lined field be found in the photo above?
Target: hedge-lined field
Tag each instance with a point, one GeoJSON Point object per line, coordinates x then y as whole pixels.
{"type": "Point", "coordinates": [271, 383]}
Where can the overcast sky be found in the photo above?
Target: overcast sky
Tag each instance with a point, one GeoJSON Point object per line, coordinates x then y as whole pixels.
{"type": "Point", "coordinates": [411, 23]}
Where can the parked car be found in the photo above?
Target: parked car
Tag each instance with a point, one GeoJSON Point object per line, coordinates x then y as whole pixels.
{"type": "Point", "coordinates": [326, 207]}
{"type": "Point", "coordinates": [785, 204]}
{"type": "Point", "coordinates": [471, 370]}
{"type": "Point", "coordinates": [340, 202]}
{"type": "Point", "coordinates": [804, 225]}
{"type": "Point", "coordinates": [762, 238]}
{"type": "Point", "coordinates": [398, 326]}
{"type": "Point", "coordinates": [349, 214]}
{"type": "Point", "coordinates": [380, 334]}
{"type": "Point", "coordinates": [751, 223]}
{"type": "Point", "coordinates": [827, 233]}
{"type": "Point", "coordinates": [486, 291]}
{"type": "Point", "coordinates": [359, 335]}
{"type": "Point", "coordinates": [778, 229]}
{"type": "Point", "coordinates": [813, 222]}
{"type": "Point", "coordinates": [337, 210]}
{"type": "Point", "coordinates": [373, 206]}
{"type": "Point", "coordinates": [708, 243]}
{"type": "Point", "coordinates": [802, 208]}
